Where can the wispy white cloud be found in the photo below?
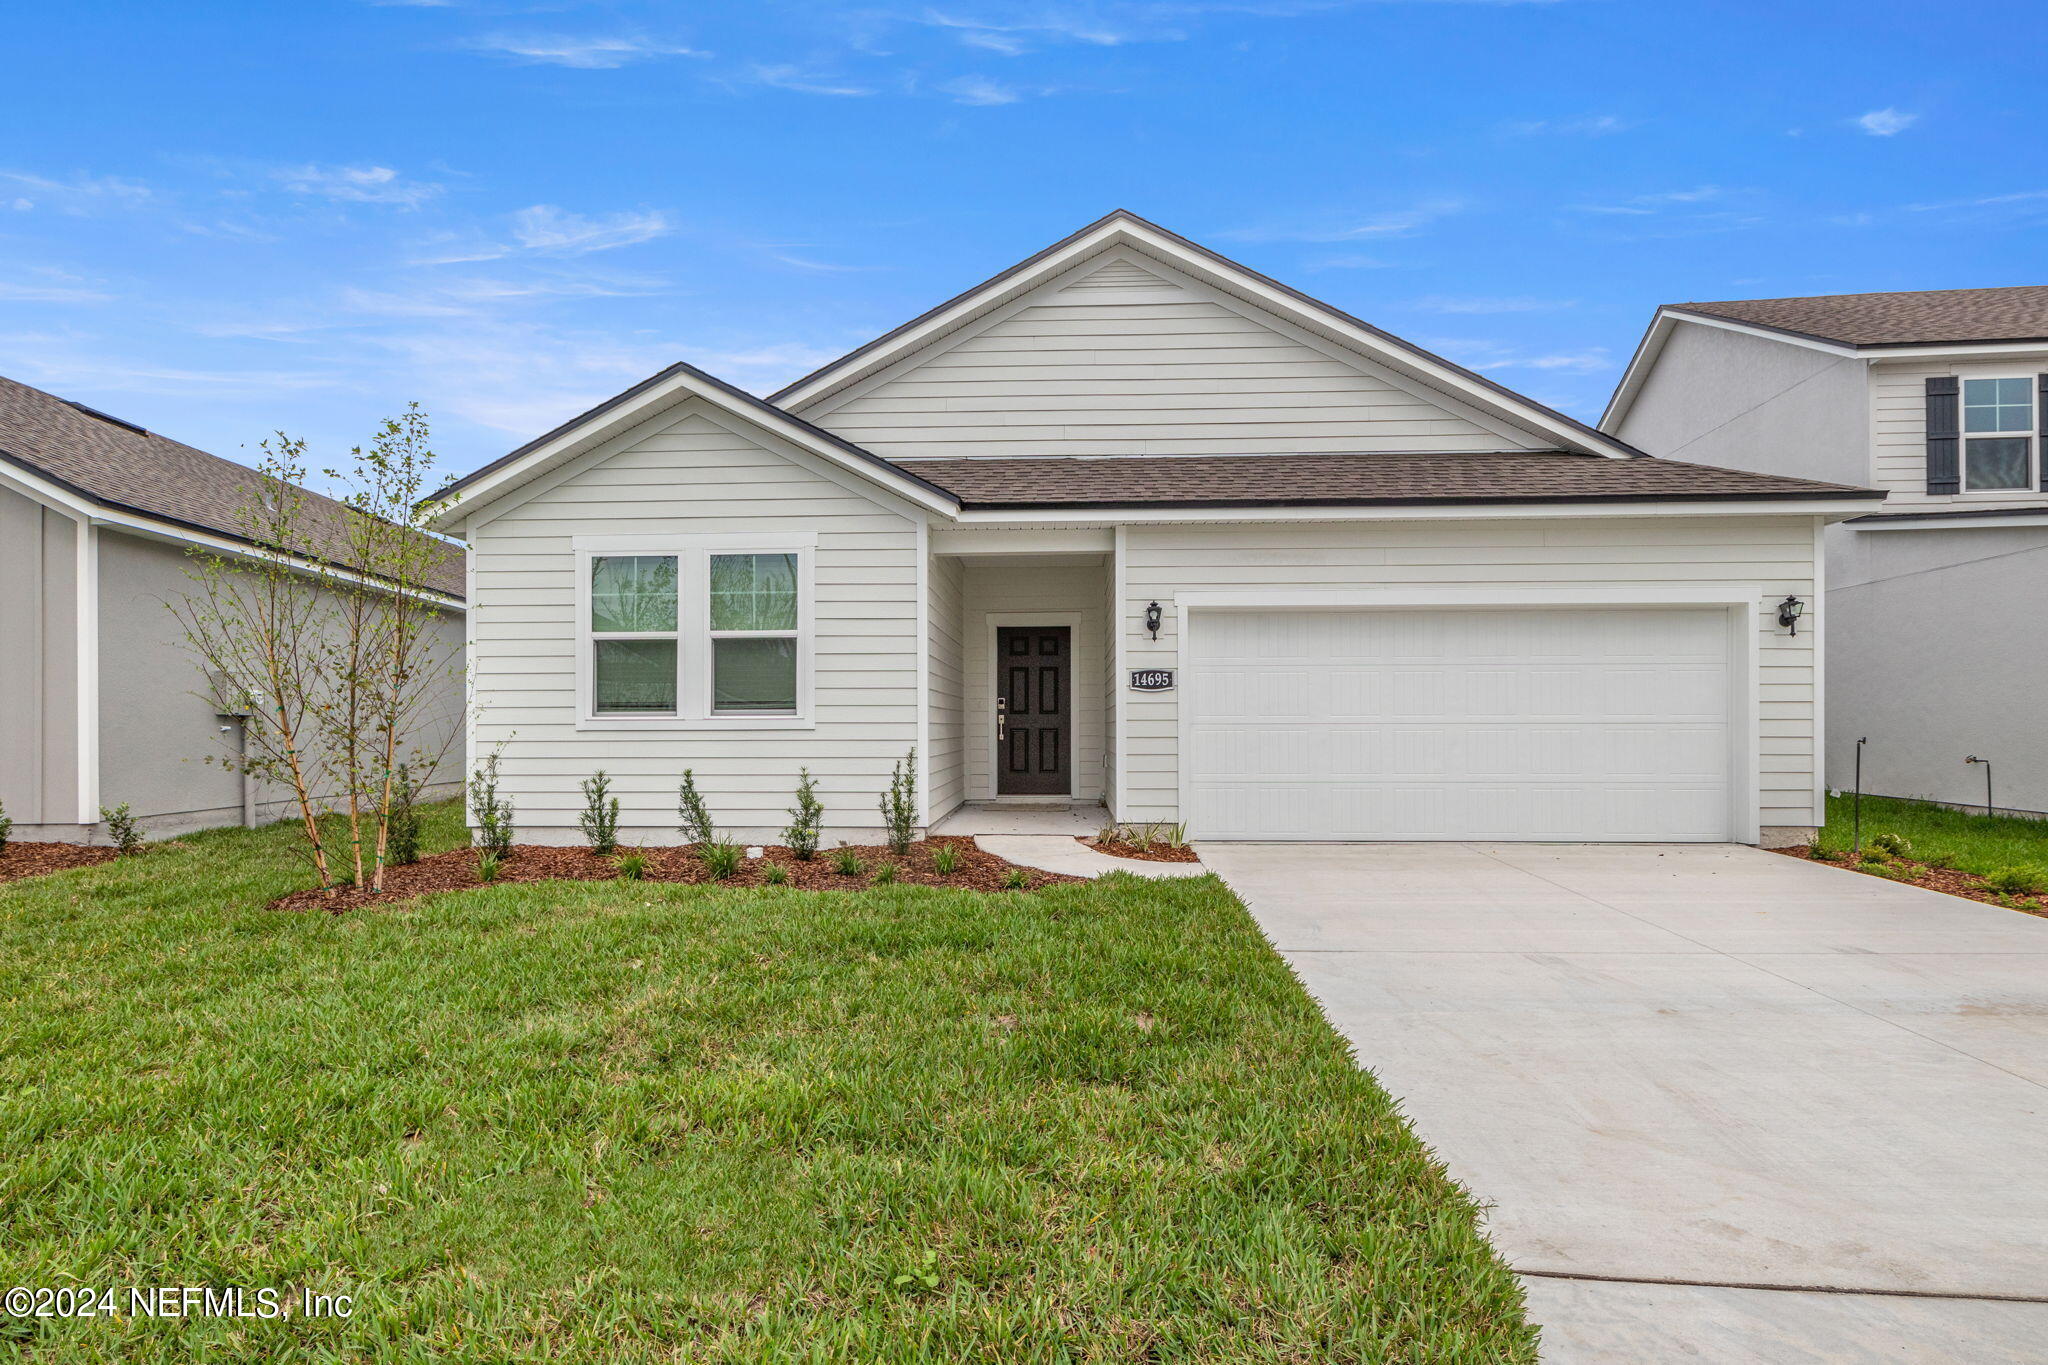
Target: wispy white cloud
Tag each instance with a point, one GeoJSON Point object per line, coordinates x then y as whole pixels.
{"type": "Point", "coordinates": [1885, 122]}
{"type": "Point", "coordinates": [803, 82]}
{"type": "Point", "coordinates": [1485, 356]}
{"type": "Point", "coordinates": [1449, 303]}
{"type": "Point", "coordinates": [583, 53]}
{"type": "Point", "coordinates": [1588, 125]}
{"type": "Point", "coordinates": [546, 228]}
{"type": "Point", "coordinates": [15, 291]}
{"type": "Point", "coordinates": [1013, 37]}
{"type": "Point", "coordinates": [981, 90]}
{"type": "Point", "coordinates": [1395, 223]}
{"type": "Point", "coordinates": [1643, 205]}
{"type": "Point", "coordinates": [1349, 261]}
{"type": "Point", "coordinates": [356, 184]}
{"type": "Point", "coordinates": [2023, 197]}
{"type": "Point", "coordinates": [81, 194]}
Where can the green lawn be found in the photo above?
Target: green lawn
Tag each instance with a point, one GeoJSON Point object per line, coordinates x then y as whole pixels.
{"type": "Point", "coordinates": [626, 1122]}
{"type": "Point", "coordinates": [1952, 838]}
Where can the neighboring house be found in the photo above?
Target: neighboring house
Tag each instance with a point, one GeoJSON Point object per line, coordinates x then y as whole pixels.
{"type": "Point", "coordinates": [1935, 601]}
{"type": "Point", "coordinates": [1130, 523]}
{"type": "Point", "coordinates": [100, 701]}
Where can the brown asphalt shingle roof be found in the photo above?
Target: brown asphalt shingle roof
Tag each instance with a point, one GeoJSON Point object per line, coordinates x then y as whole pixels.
{"type": "Point", "coordinates": [2017, 313]}
{"type": "Point", "coordinates": [143, 472]}
{"type": "Point", "coordinates": [1366, 478]}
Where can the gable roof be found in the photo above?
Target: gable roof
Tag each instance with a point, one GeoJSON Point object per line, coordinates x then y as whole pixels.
{"type": "Point", "coordinates": [665, 389]}
{"type": "Point", "coordinates": [1122, 227]}
{"type": "Point", "coordinates": [1910, 318]}
{"type": "Point", "coordinates": [1355, 480]}
{"type": "Point", "coordinates": [120, 466]}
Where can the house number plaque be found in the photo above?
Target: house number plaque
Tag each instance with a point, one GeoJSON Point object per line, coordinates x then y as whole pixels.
{"type": "Point", "coordinates": [1151, 680]}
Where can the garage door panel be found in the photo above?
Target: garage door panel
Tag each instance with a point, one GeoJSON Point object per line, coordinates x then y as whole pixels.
{"type": "Point", "coordinates": [1494, 724]}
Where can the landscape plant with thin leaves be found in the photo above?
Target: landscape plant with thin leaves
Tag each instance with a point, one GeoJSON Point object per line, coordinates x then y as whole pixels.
{"type": "Point", "coordinates": [325, 639]}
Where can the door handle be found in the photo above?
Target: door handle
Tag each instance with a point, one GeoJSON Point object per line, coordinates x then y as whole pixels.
{"type": "Point", "coordinates": [1002, 717]}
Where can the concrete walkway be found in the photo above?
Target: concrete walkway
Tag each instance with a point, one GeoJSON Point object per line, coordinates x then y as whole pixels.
{"type": "Point", "coordinates": [1727, 1105]}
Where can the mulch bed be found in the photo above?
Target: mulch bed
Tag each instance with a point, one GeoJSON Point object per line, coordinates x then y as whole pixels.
{"type": "Point", "coordinates": [456, 871]}
{"type": "Point", "coordinates": [20, 860]}
{"type": "Point", "coordinates": [1947, 880]}
{"type": "Point", "coordinates": [1147, 853]}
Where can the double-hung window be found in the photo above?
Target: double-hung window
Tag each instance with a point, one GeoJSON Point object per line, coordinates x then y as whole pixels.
{"type": "Point", "coordinates": [1998, 434]}
{"type": "Point", "coordinates": [694, 630]}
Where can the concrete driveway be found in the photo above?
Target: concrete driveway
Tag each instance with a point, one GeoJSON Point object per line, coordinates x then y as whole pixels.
{"type": "Point", "coordinates": [1727, 1105]}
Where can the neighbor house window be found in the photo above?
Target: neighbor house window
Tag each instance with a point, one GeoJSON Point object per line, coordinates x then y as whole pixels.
{"type": "Point", "coordinates": [1998, 427]}
{"type": "Point", "coordinates": [709, 629]}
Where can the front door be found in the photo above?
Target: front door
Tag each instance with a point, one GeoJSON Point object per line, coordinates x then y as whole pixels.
{"type": "Point", "coordinates": [1034, 728]}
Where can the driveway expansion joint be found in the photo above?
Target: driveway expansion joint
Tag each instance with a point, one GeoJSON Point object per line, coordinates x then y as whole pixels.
{"type": "Point", "coordinates": [1954, 1295]}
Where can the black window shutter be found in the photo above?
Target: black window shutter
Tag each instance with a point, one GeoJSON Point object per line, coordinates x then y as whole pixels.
{"type": "Point", "coordinates": [2041, 426]}
{"type": "Point", "coordinates": [1944, 456]}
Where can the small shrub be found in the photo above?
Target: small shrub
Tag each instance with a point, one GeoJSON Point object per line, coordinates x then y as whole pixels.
{"type": "Point", "coordinates": [632, 866]}
{"type": "Point", "coordinates": [492, 812]}
{"type": "Point", "coordinates": [805, 818]}
{"type": "Point", "coordinates": [600, 818]}
{"type": "Point", "coordinates": [696, 816]}
{"type": "Point", "coordinates": [1873, 857]}
{"type": "Point", "coordinates": [1016, 880]}
{"type": "Point", "coordinates": [6, 826]}
{"type": "Point", "coordinates": [1898, 845]}
{"type": "Point", "coordinates": [775, 874]}
{"type": "Point", "coordinates": [899, 805]}
{"type": "Point", "coordinates": [946, 859]}
{"type": "Point", "coordinates": [1110, 833]}
{"type": "Point", "coordinates": [121, 829]}
{"type": "Point", "coordinates": [488, 864]}
{"type": "Point", "coordinates": [2017, 881]}
{"type": "Point", "coordinates": [721, 858]}
{"type": "Point", "coordinates": [402, 825]}
{"type": "Point", "coordinates": [847, 864]}
{"type": "Point", "coordinates": [1174, 835]}
{"type": "Point", "coordinates": [885, 874]}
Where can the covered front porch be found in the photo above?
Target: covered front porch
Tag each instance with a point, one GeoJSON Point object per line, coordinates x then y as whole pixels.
{"type": "Point", "coordinates": [1021, 702]}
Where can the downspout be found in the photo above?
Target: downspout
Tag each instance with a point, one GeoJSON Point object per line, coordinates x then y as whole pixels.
{"type": "Point", "coordinates": [248, 778]}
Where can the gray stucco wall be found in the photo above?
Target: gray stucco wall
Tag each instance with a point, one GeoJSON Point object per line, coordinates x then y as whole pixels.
{"type": "Point", "coordinates": [156, 732]}
{"type": "Point", "coordinates": [1722, 398]}
{"type": "Point", "coordinates": [1936, 651]}
{"type": "Point", "coordinates": [38, 663]}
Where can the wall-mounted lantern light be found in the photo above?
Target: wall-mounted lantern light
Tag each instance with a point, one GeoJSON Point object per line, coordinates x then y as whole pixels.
{"type": "Point", "coordinates": [1789, 612]}
{"type": "Point", "coordinates": [1152, 618]}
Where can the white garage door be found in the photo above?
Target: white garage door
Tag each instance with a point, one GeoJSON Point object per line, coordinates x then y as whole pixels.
{"type": "Point", "coordinates": [1523, 723]}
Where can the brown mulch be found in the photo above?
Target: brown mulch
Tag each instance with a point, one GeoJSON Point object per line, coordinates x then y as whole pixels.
{"type": "Point", "coordinates": [456, 871]}
{"type": "Point", "coordinates": [1947, 880]}
{"type": "Point", "coordinates": [20, 859]}
{"type": "Point", "coordinates": [1148, 853]}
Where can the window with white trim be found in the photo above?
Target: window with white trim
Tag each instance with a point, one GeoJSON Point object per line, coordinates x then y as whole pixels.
{"type": "Point", "coordinates": [714, 632]}
{"type": "Point", "coordinates": [1998, 434]}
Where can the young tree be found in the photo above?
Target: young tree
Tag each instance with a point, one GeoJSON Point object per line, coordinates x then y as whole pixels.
{"type": "Point", "coordinates": [252, 620]}
{"type": "Point", "coordinates": [388, 661]}
{"type": "Point", "coordinates": [330, 631]}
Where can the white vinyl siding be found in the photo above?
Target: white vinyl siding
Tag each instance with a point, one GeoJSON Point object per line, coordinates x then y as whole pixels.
{"type": "Point", "coordinates": [947, 764]}
{"type": "Point", "coordinates": [1772, 554]}
{"type": "Point", "coordinates": [1122, 356]}
{"type": "Point", "coordinates": [1899, 431]}
{"type": "Point", "coordinates": [1015, 594]}
{"type": "Point", "coordinates": [697, 476]}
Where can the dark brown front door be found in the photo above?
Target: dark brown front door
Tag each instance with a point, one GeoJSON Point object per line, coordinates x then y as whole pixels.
{"type": "Point", "coordinates": [1035, 743]}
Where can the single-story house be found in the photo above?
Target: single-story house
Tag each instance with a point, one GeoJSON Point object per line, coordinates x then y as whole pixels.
{"type": "Point", "coordinates": [1132, 524]}
{"type": "Point", "coordinates": [1939, 397]}
{"type": "Point", "coordinates": [101, 703]}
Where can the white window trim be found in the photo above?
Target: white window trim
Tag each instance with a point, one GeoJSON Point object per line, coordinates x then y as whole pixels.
{"type": "Point", "coordinates": [2031, 434]}
{"type": "Point", "coordinates": [693, 634]}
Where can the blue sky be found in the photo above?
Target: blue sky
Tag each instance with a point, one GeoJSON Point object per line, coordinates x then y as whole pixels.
{"type": "Point", "coordinates": [218, 219]}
